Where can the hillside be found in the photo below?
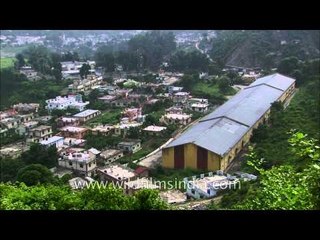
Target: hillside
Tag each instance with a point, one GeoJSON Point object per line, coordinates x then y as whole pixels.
{"type": "Point", "coordinates": [249, 48]}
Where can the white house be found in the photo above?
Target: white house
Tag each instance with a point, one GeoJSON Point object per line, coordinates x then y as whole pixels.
{"type": "Point", "coordinates": [62, 103]}
{"type": "Point", "coordinates": [53, 141]}
{"type": "Point", "coordinates": [83, 163]}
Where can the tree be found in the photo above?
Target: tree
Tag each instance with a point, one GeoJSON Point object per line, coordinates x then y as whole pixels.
{"type": "Point", "coordinates": [147, 199]}
{"type": "Point", "coordinates": [41, 155]}
{"type": "Point", "coordinates": [20, 60]}
{"type": "Point", "coordinates": [224, 84]}
{"type": "Point", "coordinates": [288, 65]}
{"type": "Point", "coordinates": [9, 169]}
{"type": "Point", "coordinates": [34, 174]}
{"type": "Point", "coordinates": [84, 70]}
{"type": "Point", "coordinates": [286, 188]}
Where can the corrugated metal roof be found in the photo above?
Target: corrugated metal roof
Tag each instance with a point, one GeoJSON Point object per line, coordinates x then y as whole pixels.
{"type": "Point", "coordinates": [220, 130]}
{"type": "Point", "coordinates": [275, 80]}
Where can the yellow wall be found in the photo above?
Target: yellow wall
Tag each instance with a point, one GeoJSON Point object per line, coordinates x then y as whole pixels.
{"type": "Point", "coordinates": [213, 161]}
{"type": "Point", "coordinates": [168, 157]}
{"type": "Point", "coordinates": [190, 156]}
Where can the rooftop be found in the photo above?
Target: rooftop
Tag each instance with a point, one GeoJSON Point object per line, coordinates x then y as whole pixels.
{"type": "Point", "coordinates": [41, 128]}
{"type": "Point", "coordinates": [51, 140]}
{"type": "Point", "coordinates": [229, 122]}
{"type": "Point", "coordinates": [73, 129]}
{"type": "Point", "coordinates": [110, 153]}
{"type": "Point", "coordinates": [103, 128]}
{"type": "Point", "coordinates": [94, 151]}
{"type": "Point", "coordinates": [200, 105]}
{"type": "Point", "coordinates": [173, 196]}
{"type": "Point", "coordinates": [177, 116]}
{"type": "Point", "coordinates": [118, 172]}
{"type": "Point", "coordinates": [129, 143]}
{"type": "Point", "coordinates": [86, 113]}
{"type": "Point", "coordinates": [154, 128]}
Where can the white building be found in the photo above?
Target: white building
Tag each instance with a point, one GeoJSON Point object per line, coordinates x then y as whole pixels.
{"type": "Point", "coordinates": [116, 173]}
{"type": "Point", "coordinates": [53, 141]}
{"type": "Point", "coordinates": [207, 186]}
{"type": "Point", "coordinates": [39, 134]}
{"type": "Point", "coordinates": [62, 103]}
{"type": "Point", "coordinates": [83, 163]}
{"type": "Point", "coordinates": [199, 107]}
{"type": "Point", "coordinates": [130, 146]}
{"type": "Point", "coordinates": [172, 118]}
{"type": "Point", "coordinates": [154, 130]}
{"type": "Point", "coordinates": [72, 68]}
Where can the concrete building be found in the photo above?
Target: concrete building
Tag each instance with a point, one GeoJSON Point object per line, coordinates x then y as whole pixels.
{"type": "Point", "coordinates": [173, 118]}
{"type": "Point", "coordinates": [173, 196]}
{"type": "Point", "coordinates": [208, 186]}
{"type": "Point", "coordinates": [181, 97]}
{"type": "Point", "coordinates": [67, 121]}
{"type": "Point", "coordinates": [85, 85]}
{"type": "Point", "coordinates": [53, 141]}
{"type": "Point", "coordinates": [130, 146]}
{"type": "Point", "coordinates": [198, 104]}
{"type": "Point", "coordinates": [26, 107]}
{"type": "Point", "coordinates": [174, 110]}
{"type": "Point", "coordinates": [63, 103]}
{"type": "Point", "coordinates": [111, 155]}
{"type": "Point", "coordinates": [122, 128]}
{"type": "Point", "coordinates": [103, 129]}
{"type": "Point", "coordinates": [87, 115]}
{"type": "Point", "coordinates": [154, 130]}
{"type": "Point", "coordinates": [39, 134]}
{"type": "Point", "coordinates": [82, 163]}
{"type": "Point", "coordinates": [107, 99]}
{"type": "Point", "coordinates": [72, 68]}
{"type": "Point", "coordinates": [116, 173]}
{"type": "Point", "coordinates": [217, 138]}
{"type": "Point", "coordinates": [73, 132]}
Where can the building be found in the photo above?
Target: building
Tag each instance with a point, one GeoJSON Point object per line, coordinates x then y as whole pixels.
{"type": "Point", "coordinates": [173, 89]}
{"type": "Point", "coordinates": [73, 132]}
{"type": "Point", "coordinates": [208, 186]}
{"type": "Point", "coordinates": [132, 113]}
{"type": "Point", "coordinates": [94, 151]}
{"type": "Point", "coordinates": [124, 126]}
{"type": "Point", "coordinates": [53, 141]}
{"type": "Point", "coordinates": [111, 155]}
{"type": "Point", "coordinates": [181, 97]}
{"type": "Point", "coordinates": [198, 104]}
{"type": "Point", "coordinates": [173, 118]}
{"type": "Point", "coordinates": [68, 142]}
{"type": "Point", "coordinates": [85, 85]}
{"type": "Point", "coordinates": [82, 163]}
{"type": "Point", "coordinates": [26, 107]}
{"type": "Point", "coordinates": [107, 99]}
{"type": "Point", "coordinates": [199, 107]}
{"type": "Point", "coordinates": [67, 121]}
{"type": "Point", "coordinates": [116, 173]}
{"type": "Point", "coordinates": [154, 130]}
{"type": "Point", "coordinates": [217, 138]}
{"type": "Point", "coordinates": [87, 115]}
{"type": "Point", "coordinates": [174, 110]}
{"type": "Point", "coordinates": [11, 122]}
{"type": "Point", "coordinates": [29, 72]}
{"type": "Point", "coordinates": [137, 184]}
{"type": "Point", "coordinates": [130, 146]}
{"type": "Point", "coordinates": [103, 129]}
{"type": "Point", "coordinates": [63, 103]}
{"type": "Point", "coordinates": [72, 68]}
{"type": "Point", "coordinates": [173, 196]}
{"type": "Point", "coordinates": [39, 134]}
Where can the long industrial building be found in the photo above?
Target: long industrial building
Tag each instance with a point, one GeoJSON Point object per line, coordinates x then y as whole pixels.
{"type": "Point", "coordinates": [213, 142]}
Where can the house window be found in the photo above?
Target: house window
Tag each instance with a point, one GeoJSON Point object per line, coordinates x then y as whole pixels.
{"type": "Point", "coordinates": [70, 163]}
{"type": "Point", "coordinates": [81, 165]}
{"type": "Point", "coordinates": [89, 164]}
{"type": "Point", "coordinates": [192, 191]}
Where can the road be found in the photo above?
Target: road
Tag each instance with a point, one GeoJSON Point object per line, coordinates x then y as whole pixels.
{"type": "Point", "coordinates": [197, 47]}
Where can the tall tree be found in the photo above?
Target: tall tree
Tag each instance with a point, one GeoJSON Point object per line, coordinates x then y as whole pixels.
{"type": "Point", "coordinates": [84, 70]}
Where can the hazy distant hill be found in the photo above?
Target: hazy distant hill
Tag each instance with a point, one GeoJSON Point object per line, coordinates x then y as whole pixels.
{"type": "Point", "coordinates": [263, 47]}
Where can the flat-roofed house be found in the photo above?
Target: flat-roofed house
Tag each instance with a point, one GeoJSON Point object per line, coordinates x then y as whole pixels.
{"type": "Point", "coordinates": [87, 115]}
{"type": "Point", "coordinates": [39, 134]}
{"type": "Point", "coordinates": [73, 132]}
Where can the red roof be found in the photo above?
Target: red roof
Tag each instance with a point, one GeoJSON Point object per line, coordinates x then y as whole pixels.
{"type": "Point", "coordinates": [140, 170]}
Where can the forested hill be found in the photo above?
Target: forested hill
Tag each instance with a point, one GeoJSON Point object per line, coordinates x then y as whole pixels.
{"type": "Point", "coordinates": [264, 48]}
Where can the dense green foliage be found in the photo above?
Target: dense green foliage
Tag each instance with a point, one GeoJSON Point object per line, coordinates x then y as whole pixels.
{"type": "Point", "coordinates": [263, 48]}
{"type": "Point", "coordinates": [182, 61]}
{"type": "Point", "coordinates": [42, 155]}
{"type": "Point", "coordinates": [50, 197]}
{"type": "Point", "coordinates": [11, 137]}
{"type": "Point", "coordinates": [147, 50]}
{"type": "Point", "coordinates": [34, 174]}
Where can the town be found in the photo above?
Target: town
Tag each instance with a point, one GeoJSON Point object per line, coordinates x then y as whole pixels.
{"type": "Point", "coordinates": [144, 129]}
